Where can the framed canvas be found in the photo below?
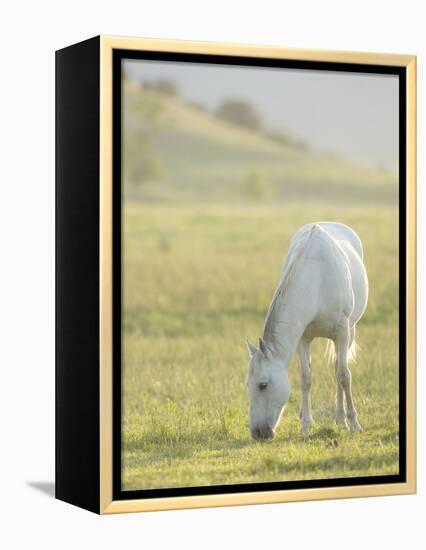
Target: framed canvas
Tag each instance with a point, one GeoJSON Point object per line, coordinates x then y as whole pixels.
{"type": "Point", "coordinates": [225, 215]}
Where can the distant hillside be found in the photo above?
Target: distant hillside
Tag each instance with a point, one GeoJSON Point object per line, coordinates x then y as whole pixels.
{"type": "Point", "coordinates": [175, 151]}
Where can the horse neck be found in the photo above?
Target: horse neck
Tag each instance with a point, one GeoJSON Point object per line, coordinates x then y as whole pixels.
{"type": "Point", "coordinates": [288, 326]}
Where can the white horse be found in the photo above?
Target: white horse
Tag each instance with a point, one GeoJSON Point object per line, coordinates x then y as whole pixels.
{"type": "Point", "coordinates": [323, 292]}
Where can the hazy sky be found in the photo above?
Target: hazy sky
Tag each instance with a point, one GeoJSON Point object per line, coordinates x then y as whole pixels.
{"type": "Point", "coordinates": [354, 115]}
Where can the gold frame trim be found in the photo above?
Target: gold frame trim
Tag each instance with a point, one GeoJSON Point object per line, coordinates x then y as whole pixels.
{"type": "Point", "coordinates": [107, 504]}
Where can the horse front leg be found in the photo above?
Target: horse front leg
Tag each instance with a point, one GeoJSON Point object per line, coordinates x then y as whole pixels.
{"type": "Point", "coordinates": [303, 355]}
{"type": "Point", "coordinates": [344, 378]}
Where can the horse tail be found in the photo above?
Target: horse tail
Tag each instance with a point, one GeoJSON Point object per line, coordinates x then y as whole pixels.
{"type": "Point", "coordinates": [352, 351]}
{"type": "Point", "coordinates": [330, 351]}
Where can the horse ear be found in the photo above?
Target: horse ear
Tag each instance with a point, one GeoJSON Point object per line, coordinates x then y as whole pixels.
{"type": "Point", "coordinates": [251, 349]}
{"type": "Point", "coordinates": [262, 346]}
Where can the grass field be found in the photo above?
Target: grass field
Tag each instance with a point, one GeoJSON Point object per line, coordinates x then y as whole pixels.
{"type": "Point", "coordinates": [198, 280]}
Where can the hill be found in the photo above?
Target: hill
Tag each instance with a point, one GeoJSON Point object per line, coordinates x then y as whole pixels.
{"type": "Point", "coordinates": [178, 152]}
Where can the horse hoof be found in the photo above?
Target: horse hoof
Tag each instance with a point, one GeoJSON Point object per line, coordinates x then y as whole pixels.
{"type": "Point", "coordinates": [355, 426]}
{"type": "Point", "coordinates": [305, 429]}
{"type": "Point", "coordinates": [342, 422]}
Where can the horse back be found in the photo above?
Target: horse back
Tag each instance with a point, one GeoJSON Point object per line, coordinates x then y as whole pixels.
{"type": "Point", "coordinates": [338, 252]}
{"type": "Point", "coordinates": [340, 232]}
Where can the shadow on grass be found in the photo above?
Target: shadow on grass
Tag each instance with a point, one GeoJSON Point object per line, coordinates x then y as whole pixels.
{"type": "Point", "coordinates": [326, 466]}
{"type": "Point", "coordinates": [150, 444]}
{"type": "Point", "coordinates": [163, 438]}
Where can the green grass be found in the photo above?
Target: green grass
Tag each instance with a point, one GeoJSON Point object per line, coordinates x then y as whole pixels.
{"type": "Point", "coordinates": [198, 280]}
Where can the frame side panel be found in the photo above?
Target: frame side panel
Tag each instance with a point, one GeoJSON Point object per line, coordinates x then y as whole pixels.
{"type": "Point", "coordinates": [411, 154]}
{"type": "Point", "coordinates": [77, 274]}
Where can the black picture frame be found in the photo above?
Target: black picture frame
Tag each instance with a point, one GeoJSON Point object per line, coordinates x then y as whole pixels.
{"type": "Point", "coordinates": [119, 56]}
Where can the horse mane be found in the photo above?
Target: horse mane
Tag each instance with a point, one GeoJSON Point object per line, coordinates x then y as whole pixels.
{"type": "Point", "coordinates": [287, 276]}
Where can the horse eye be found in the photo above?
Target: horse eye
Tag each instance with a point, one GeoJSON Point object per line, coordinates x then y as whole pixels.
{"type": "Point", "coordinates": [263, 385]}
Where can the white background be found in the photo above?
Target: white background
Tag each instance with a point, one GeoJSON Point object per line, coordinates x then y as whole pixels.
{"type": "Point", "coordinates": [30, 32]}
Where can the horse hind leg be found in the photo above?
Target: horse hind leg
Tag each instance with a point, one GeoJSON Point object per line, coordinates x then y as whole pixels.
{"type": "Point", "coordinates": [340, 404]}
{"type": "Point", "coordinates": [340, 400]}
{"type": "Point", "coordinates": [303, 355]}
{"type": "Point", "coordinates": [343, 345]}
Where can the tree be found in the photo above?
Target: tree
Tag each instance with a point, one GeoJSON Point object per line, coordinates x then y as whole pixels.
{"type": "Point", "coordinates": [240, 113]}
{"type": "Point", "coordinates": [163, 86]}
